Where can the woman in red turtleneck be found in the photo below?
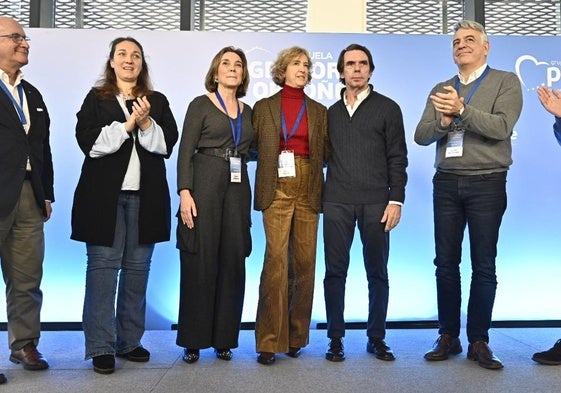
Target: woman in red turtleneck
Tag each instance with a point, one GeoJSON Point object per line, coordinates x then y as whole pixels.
{"type": "Point", "coordinates": [291, 140]}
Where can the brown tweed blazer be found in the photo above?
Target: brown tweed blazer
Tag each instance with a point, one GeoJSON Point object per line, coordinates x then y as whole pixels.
{"type": "Point", "coordinates": [267, 127]}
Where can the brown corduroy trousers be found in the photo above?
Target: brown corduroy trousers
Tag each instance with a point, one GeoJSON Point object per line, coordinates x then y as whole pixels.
{"type": "Point", "coordinates": [287, 280]}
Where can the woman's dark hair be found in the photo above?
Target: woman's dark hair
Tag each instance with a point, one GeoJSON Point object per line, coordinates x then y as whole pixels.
{"type": "Point", "coordinates": [106, 86]}
{"type": "Point", "coordinates": [210, 83]}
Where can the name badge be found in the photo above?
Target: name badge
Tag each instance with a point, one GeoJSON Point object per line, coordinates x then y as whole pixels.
{"type": "Point", "coordinates": [455, 144]}
{"type": "Point", "coordinates": [235, 169]}
{"type": "Point", "coordinates": [287, 168]}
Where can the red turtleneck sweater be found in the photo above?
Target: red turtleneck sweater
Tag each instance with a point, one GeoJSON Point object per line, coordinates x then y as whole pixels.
{"type": "Point", "coordinates": [291, 102]}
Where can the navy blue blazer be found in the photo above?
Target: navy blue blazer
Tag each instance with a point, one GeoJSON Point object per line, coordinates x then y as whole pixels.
{"type": "Point", "coordinates": [16, 146]}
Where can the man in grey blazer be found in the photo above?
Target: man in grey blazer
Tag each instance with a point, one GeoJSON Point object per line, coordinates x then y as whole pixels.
{"type": "Point", "coordinates": [26, 176]}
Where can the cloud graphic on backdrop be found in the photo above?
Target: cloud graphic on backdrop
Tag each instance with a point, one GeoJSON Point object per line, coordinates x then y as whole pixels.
{"type": "Point", "coordinates": [533, 73]}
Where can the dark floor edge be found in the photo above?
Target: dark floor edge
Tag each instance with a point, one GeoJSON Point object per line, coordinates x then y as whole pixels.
{"type": "Point", "coordinates": [428, 324]}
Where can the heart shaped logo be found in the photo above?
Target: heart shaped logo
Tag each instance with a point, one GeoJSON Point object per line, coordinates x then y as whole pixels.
{"type": "Point", "coordinates": [531, 72]}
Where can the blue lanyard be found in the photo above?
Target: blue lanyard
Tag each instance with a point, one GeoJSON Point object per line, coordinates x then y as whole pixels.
{"type": "Point", "coordinates": [472, 90]}
{"type": "Point", "coordinates": [16, 104]}
{"type": "Point", "coordinates": [474, 87]}
{"type": "Point", "coordinates": [236, 129]}
{"type": "Point", "coordinates": [296, 123]}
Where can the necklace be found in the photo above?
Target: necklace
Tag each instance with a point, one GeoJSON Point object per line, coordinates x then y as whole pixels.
{"type": "Point", "coordinates": [127, 95]}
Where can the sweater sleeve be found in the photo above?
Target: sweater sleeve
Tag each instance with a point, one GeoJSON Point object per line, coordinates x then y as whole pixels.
{"type": "Point", "coordinates": [190, 136]}
{"type": "Point", "coordinates": [498, 123]}
{"type": "Point", "coordinates": [396, 154]}
{"type": "Point", "coordinates": [557, 129]}
{"type": "Point", "coordinates": [429, 129]}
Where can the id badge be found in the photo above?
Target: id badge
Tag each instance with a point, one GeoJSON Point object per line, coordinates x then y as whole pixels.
{"type": "Point", "coordinates": [455, 144]}
{"type": "Point", "coordinates": [287, 167]}
{"type": "Point", "coordinates": [235, 169]}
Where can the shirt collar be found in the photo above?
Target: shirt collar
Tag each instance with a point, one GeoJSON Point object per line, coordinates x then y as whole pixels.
{"type": "Point", "coordinates": [6, 78]}
{"type": "Point", "coordinates": [360, 97]}
{"type": "Point", "coordinates": [473, 76]}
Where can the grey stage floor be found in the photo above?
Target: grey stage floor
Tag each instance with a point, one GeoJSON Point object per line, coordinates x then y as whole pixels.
{"type": "Point", "coordinates": [361, 372]}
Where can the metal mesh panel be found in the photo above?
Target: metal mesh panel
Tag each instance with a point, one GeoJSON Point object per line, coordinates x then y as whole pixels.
{"type": "Point", "coordinates": [215, 15]}
{"type": "Point", "coordinates": [251, 15]}
{"type": "Point", "coordinates": [382, 16]}
{"type": "Point", "coordinates": [17, 9]}
{"type": "Point", "coordinates": [65, 14]}
{"type": "Point", "coordinates": [131, 14]}
{"type": "Point", "coordinates": [118, 14]}
{"type": "Point", "coordinates": [411, 16]}
{"type": "Point", "coordinates": [522, 17]}
{"type": "Point", "coordinates": [437, 17]}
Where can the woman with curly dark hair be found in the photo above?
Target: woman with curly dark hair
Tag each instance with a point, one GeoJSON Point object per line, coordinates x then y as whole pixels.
{"type": "Point", "coordinates": [121, 204]}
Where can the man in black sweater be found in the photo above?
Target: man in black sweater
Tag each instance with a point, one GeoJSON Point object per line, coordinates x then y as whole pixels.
{"type": "Point", "coordinates": [366, 185]}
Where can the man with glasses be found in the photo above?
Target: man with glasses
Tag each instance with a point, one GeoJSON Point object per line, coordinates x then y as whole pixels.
{"type": "Point", "coordinates": [26, 194]}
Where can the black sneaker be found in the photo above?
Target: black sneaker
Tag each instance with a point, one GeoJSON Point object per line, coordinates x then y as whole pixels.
{"type": "Point", "coordinates": [550, 357]}
{"type": "Point", "coordinates": [139, 354]}
{"type": "Point", "coordinates": [104, 364]}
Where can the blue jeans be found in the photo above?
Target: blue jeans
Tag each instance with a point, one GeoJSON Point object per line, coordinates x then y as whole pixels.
{"type": "Point", "coordinates": [480, 202]}
{"type": "Point", "coordinates": [108, 332]}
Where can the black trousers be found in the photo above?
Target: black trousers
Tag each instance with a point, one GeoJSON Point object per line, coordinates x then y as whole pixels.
{"type": "Point", "coordinates": [339, 222]}
{"type": "Point", "coordinates": [213, 256]}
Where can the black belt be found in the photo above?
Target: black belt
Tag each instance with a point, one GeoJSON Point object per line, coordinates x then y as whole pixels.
{"type": "Point", "coordinates": [27, 175]}
{"type": "Point", "coordinates": [222, 153]}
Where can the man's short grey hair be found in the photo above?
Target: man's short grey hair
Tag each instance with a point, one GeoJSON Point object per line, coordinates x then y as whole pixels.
{"type": "Point", "coordinates": [473, 25]}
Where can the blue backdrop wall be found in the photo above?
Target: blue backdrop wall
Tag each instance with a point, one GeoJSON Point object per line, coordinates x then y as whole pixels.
{"type": "Point", "coordinates": [64, 64]}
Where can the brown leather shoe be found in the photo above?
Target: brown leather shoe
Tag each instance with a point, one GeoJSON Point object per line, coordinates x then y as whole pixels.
{"type": "Point", "coordinates": [479, 351]}
{"type": "Point", "coordinates": [2, 379]}
{"type": "Point", "coordinates": [30, 357]}
{"type": "Point", "coordinates": [444, 345]}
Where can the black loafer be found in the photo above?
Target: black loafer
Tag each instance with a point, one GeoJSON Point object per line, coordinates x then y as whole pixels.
{"type": "Point", "coordinates": [104, 364]}
{"type": "Point", "coordinates": [294, 352]}
{"type": "Point", "coordinates": [266, 358]}
{"type": "Point", "coordinates": [139, 354]}
{"type": "Point", "coordinates": [550, 357]}
{"type": "Point", "coordinates": [190, 355]}
{"type": "Point", "coordinates": [2, 378]}
{"type": "Point", "coordinates": [223, 354]}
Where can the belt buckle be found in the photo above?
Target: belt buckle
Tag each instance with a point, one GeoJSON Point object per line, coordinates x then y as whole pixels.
{"type": "Point", "coordinates": [229, 153]}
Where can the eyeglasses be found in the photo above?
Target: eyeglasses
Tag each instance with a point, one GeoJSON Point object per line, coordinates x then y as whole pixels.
{"type": "Point", "coordinates": [17, 38]}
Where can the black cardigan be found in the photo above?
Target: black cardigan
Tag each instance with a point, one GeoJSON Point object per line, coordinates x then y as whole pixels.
{"type": "Point", "coordinates": [95, 201]}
